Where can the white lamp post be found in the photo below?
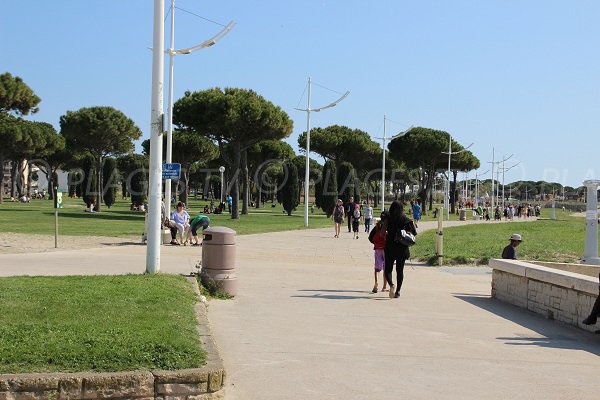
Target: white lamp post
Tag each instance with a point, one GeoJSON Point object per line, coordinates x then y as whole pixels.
{"type": "Point", "coordinates": [590, 255]}
{"type": "Point", "coordinates": [477, 188]}
{"type": "Point", "coordinates": [156, 131]}
{"type": "Point", "coordinates": [384, 138]}
{"type": "Point", "coordinates": [172, 52]}
{"type": "Point", "coordinates": [450, 154]}
{"type": "Point", "coordinates": [503, 171]}
{"type": "Point", "coordinates": [221, 170]}
{"type": "Point", "coordinates": [307, 170]}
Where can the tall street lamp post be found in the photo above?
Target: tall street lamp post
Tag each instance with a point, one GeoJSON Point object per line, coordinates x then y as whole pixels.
{"type": "Point", "coordinates": [308, 110]}
{"type": "Point", "coordinates": [156, 131]}
{"type": "Point", "coordinates": [172, 52]}
{"type": "Point", "coordinates": [477, 188]}
{"type": "Point", "coordinates": [450, 154]}
{"type": "Point", "coordinates": [221, 170]}
{"type": "Point", "coordinates": [384, 138]}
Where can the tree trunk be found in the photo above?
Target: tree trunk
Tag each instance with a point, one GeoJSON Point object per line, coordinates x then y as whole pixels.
{"type": "Point", "coordinates": [13, 179]}
{"type": "Point", "coordinates": [29, 183]}
{"type": "Point", "coordinates": [259, 195]}
{"type": "Point", "coordinates": [235, 189]}
{"type": "Point", "coordinates": [98, 196]}
{"type": "Point", "coordinates": [246, 182]}
{"type": "Point", "coordinates": [50, 179]}
{"type": "Point", "coordinates": [452, 193]}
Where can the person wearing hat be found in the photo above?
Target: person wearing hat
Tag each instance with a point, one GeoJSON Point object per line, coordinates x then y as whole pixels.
{"type": "Point", "coordinates": [510, 251]}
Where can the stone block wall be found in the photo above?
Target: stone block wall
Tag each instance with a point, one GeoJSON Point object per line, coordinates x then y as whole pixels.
{"type": "Point", "coordinates": [194, 384]}
{"type": "Point", "coordinates": [561, 295]}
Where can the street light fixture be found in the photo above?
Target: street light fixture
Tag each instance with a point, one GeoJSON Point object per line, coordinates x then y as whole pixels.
{"type": "Point", "coordinates": [450, 154]}
{"type": "Point", "coordinates": [221, 170]}
{"type": "Point", "coordinates": [503, 171]}
{"type": "Point", "coordinates": [384, 138]}
{"type": "Point", "coordinates": [172, 52]}
{"type": "Point", "coordinates": [494, 188]}
{"type": "Point", "coordinates": [477, 187]}
{"type": "Point", "coordinates": [308, 110]}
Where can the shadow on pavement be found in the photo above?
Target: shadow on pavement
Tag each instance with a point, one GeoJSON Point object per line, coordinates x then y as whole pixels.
{"type": "Point", "coordinates": [325, 294]}
{"type": "Point", "coordinates": [553, 334]}
{"type": "Point", "coordinates": [124, 244]}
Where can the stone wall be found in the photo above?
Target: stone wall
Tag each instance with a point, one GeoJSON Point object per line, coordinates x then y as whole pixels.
{"type": "Point", "coordinates": [556, 294]}
{"type": "Point", "coordinates": [193, 384]}
{"type": "Point", "coordinates": [583, 269]}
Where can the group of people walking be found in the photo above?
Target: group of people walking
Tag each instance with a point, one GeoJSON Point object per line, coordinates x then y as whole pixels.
{"type": "Point", "coordinates": [388, 250]}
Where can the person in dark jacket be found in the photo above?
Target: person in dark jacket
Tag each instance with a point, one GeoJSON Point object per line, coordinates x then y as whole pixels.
{"type": "Point", "coordinates": [396, 252]}
{"type": "Point", "coordinates": [349, 209]}
{"type": "Point", "coordinates": [510, 251]}
{"type": "Point", "coordinates": [593, 317]}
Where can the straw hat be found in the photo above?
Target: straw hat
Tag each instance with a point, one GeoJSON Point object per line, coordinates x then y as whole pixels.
{"type": "Point", "coordinates": [516, 237]}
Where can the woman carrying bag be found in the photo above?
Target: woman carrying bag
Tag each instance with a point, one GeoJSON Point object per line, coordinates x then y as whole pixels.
{"type": "Point", "coordinates": [395, 249]}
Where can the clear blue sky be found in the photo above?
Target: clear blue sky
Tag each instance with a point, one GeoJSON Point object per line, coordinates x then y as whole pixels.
{"type": "Point", "coordinates": [522, 77]}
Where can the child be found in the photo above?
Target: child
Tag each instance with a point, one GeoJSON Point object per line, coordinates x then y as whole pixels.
{"type": "Point", "coordinates": [356, 215]}
{"type": "Point", "coordinates": [416, 211]}
{"type": "Point", "coordinates": [377, 237]}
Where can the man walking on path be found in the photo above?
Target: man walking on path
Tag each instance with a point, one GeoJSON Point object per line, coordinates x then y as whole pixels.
{"type": "Point", "coordinates": [349, 210]}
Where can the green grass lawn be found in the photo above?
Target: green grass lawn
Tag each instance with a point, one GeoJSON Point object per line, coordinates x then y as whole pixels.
{"type": "Point", "coordinates": [560, 241]}
{"type": "Point", "coordinates": [98, 323]}
{"type": "Point", "coordinates": [37, 217]}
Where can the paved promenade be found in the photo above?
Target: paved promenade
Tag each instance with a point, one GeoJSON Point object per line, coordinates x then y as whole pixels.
{"type": "Point", "coordinates": [305, 325]}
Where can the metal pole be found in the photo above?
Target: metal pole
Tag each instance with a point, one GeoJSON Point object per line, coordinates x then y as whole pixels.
{"type": "Point", "coordinates": [307, 172]}
{"type": "Point", "coordinates": [170, 120]}
{"type": "Point", "coordinates": [383, 168]}
{"type": "Point", "coordinates": [222, 186]}
{"type": "Point", "coordinates": [56, 228]}
{"type": "Point", "coordinates": [156, 116]}
{"type": "Point", "coordinates": [493, 179]}
{"type": "Point", "coordinates": [448, 193]}
{"type": "Point", "coordinates": [503, 169]}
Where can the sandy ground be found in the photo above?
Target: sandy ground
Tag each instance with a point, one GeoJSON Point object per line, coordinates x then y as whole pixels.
{"type": "Point", "coordinates": [12, 243]}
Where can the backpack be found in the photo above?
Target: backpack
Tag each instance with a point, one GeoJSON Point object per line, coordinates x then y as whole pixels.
{"type": "Point", "coordinates": [356, 214]}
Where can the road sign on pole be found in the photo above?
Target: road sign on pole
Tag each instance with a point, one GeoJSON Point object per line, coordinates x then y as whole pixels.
{"type": "Point", "coordinates": [171, 171]}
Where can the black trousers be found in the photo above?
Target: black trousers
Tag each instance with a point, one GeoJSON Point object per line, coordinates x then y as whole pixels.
{"type": "Point", "coordinates": [399, 257]}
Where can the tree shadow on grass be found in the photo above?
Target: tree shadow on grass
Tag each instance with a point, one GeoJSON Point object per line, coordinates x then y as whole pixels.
{"type": "Point", "coordinates": [328, 294]}
{"type": "Point", "coordinates": [550, 333]}
{"type": "Point", "coordinates": [100, 215]}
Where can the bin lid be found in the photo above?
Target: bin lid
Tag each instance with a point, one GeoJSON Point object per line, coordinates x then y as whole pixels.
{"type": "Point", "coordinates": [218, 235]}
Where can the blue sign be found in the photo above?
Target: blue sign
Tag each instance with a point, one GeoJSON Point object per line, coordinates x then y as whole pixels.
{"type": "Point", "coordinates": [171, 171]}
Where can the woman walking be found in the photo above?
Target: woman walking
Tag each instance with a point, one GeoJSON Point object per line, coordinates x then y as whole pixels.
{"type": "Point", "coordinates": [338, 216]}
{"type": "Point", "coordinates": [394, 251]}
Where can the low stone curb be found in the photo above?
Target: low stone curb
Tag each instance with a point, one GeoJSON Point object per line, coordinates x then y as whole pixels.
{"type": "Point", "coordinates": [204, 383]}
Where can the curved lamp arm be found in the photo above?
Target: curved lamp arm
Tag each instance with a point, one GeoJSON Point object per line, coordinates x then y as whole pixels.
{"type": "Point", "coordinates": [207, 43]}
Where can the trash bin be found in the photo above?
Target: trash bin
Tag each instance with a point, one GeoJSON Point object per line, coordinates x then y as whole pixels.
{"type": "Point", "coordinates": [462, 214]}
{"type": "Point", "coordinates": [218, 259]}
{"type": "Point", "coordinates": [165, 235]}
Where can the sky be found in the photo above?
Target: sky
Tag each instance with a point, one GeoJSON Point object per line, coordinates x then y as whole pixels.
{"type": "Point", "coordinates": [513, 77]}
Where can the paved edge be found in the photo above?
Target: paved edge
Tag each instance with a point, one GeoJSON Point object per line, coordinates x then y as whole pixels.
{"type": "Point", "coordinates": [206, 381]}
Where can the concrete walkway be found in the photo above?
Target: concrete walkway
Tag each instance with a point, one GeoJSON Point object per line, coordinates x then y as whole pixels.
{"type": "Point", "coordinates": [305, 325]}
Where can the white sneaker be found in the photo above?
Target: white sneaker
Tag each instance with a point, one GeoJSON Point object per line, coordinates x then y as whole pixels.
{"type": "Point", "coordinates": [392, 291]}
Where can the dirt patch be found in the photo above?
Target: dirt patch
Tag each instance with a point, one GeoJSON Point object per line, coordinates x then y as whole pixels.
{"type": "Point", "coordinates": [12, 243]}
